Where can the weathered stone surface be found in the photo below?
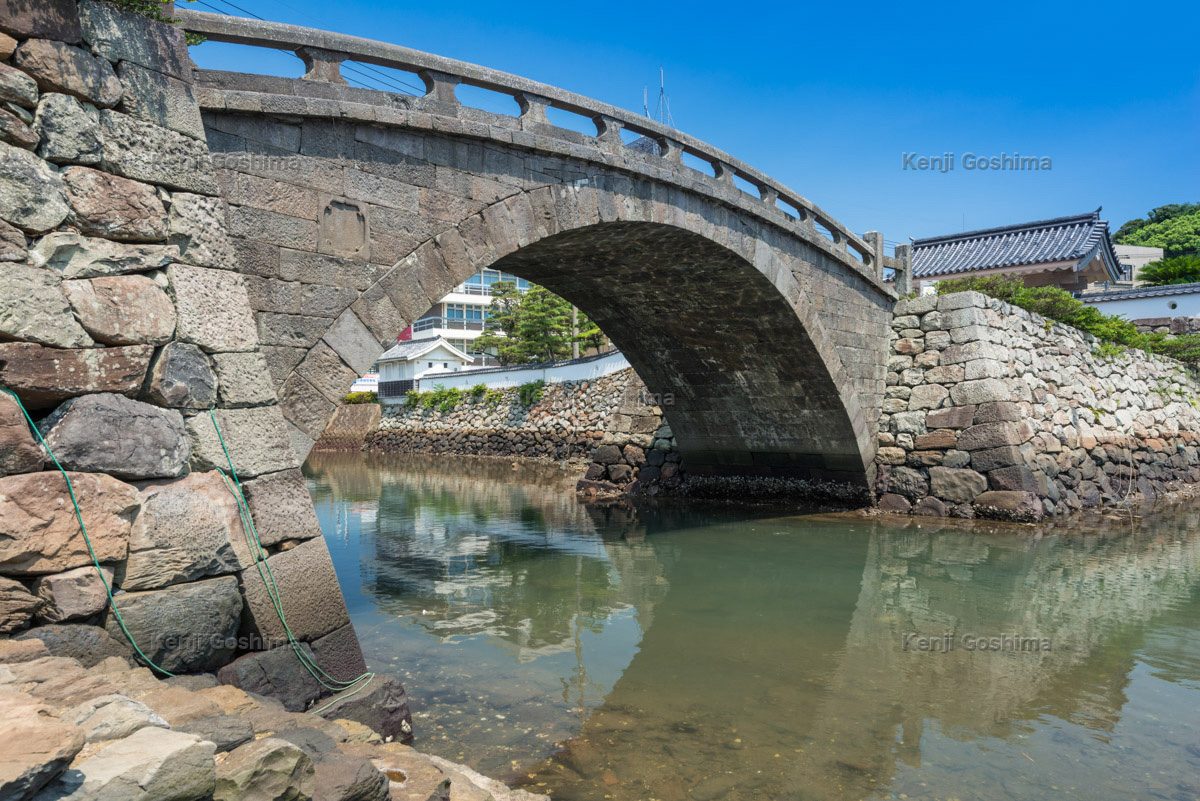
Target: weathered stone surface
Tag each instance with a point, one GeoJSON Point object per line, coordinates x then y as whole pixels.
{"type": "Point", "coordinates": [325, 370]}
{"type": "Point", "coordinates": [76, 256]}
{"type": "Point", "coordinates": [12, 243]}
{"type": "Point", "coordinates": [121, 35]}
{"type": "Point", "coordinates": [1021, 507]}
{"type": "Point", "coordinates": [278, 674]}
{"type": "Point", "coordinates": [1017, 478]}
{"type": "Point", "coordinates": [304, 407]}
{"type": "Point", "coordinates": [198, 228]}
{"type": "Point", "coordinates": [244, 379]}
{"type": "Point", "coordinates": [940, 439]}
{"type": "Point", "coordinates": [340, 655]}
{"type": "Point", "coordinates": [32, 196]}
{"type": "Point", "coordinates": [227, 732]}
{"type": "Point", "coordinates": [908, 482]}
{"type": "Point", "coordinates": [147, 152]}
{"type": "Point", "coordinates": [13, 651]}
{"type": "Point", "coordinates": [896, 504]}
{"type": "Point", "coordinates": [181, 377]}
{"type": "Point", "coordinates": [14, 131]}
{"type": "Point", "coordinates": [113, 207]}
{"type": "Point", "coordinates": [999, 412]}
{"type": "Point", "coordinates": [122, 309]}
{"type": "Point", "coordinates": [982, 390]}
{"type": "Point", "coordinates": [35, 745]}
{"type": "Point", "coordinates": [308, 591]}
{"type": "Point", "coordinates": [18, 88]}
{"type": "Point", "coordinates": [73, 594]}
{"type": "Point", "coordinates": [929, 507]}
{"type": "Point", "coordinates": [43, 376]}
{"type": "Point", "coordinates": [44, 19]}
{"type": "Point", "coordinates": [988, 435]}
{"type": "Point", "coordinates": [281, 507]}
{"type": "Point", "coordinates": [39, 532]}
{"type": "Point", "coordinates": [112, 434]}
{"type": "Point", "coordinates": [17, 605]}
{"type": "Point", "coordinates": [956, 485]}
{"type": "Point", "coordinates": [213, 308]}
{"type": "Point", "coordinates": [33, 308]}
{"type": "Point", "coordinates": [112, 717]}
{"type": "Point", "coordinates": [382, 706]}
{"type": "Point", "coordinates": [988, 460]}
{"type": "Point", "coordinates": [8, 46]}
{"type": "Point", "coordinates": [179, 705]}
{"type": "Point", "coordinates": [187, 529]}
{"type": "Point", "coordinates": [185, 628]}
{"type": "Point", "coordinates": [952, 417]}
{"type": "Point", "coordinates": [256, 438]}
{"type": "Point", "coordinates": [58, 67]}
{"type": "Point", "coordinates": [19, 451]}
{"type": "Point", "coordinates": [353, 342]}
{"type": "Point", "coordinates": [927, 396]}
{"type": "Point", "coordinates": [69, 130]}
{"type": "Point", "coordinates": [154, 97]}
{"type": "Point", "coordinates": [341, 777]}
{"type": "Point", "coordinates": [89, 645]}
{"type": "Point", "coordinates": [265, 770]}
{"type": "Point", "coordinates": [151, 763]}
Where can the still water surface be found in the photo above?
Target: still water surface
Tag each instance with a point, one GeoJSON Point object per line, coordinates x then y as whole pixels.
{"type": "Point", "coordinates": [678, 653]}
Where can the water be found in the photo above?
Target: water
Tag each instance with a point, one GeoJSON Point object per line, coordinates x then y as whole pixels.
{"type": "Point", "coordinates": [675, 654]}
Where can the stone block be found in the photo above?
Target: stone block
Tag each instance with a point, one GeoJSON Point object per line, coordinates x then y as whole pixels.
{"type": "Point", "coordinates": [75, 256]}
{"type": "Point", "coordinates": [59, 67]}
{"type": "Point", "coordinates": [108, 433]}
{"type": "Point", "coordinates": [198, 228]}
{"type": "Point", "coordinates": [894, 504]}
{"type": "Point", "coordinates": [122, 309]}
{"type": "Point", "coordinates": [17, 605]}
{"type": "Point", "coordinates": [43, 19]}
{"type": "Point", "coordinates": [382, 706]}
{"type": "Point", "coordinates": [972, 351]}
{"type": "Point", "coordinates": [891, 455]}
{"type": "Point", "coordinates": [1020, 507]}
{"type": "Point", "coordinates": [181, 377]}
{"type": "Point", "coordinates": [999, 412]}
{"type": "Point", "coordinates": [962, 300]}
{"type": "Point", "coordinates": [277, 673]}
{"type": "Point", "coordinates": [187, 529]}
{"type": "Point", "coordinates": [154, 97]}
{"type": "Point", "coordinates": [927, 396]}
{"type": "Point", "coordinates": [909, 422]}
{"type": "Point", "coordinates": [989, 435]}
{"type": "Point", "coordinates": [36, 745]}
{"type": "Point", "coordinates": [226, 732]}
{"type": "Point", "coordinates": [39, 532]}
{"type": "Point", "coordinates": [257, 440]}
{"type": "Point", "coordinates": [73, 594]}
{"type": "Point", "coordinates": [908, 482]}
{"type": "Point", "coordinates": [353, 342]}
{"type": "Point", "coordinates": [15, 131]}
{"type": "Point", "coordinates": [308, 590]}
{"type": "Point", "coordinates": [12, 244]}
{"type": "Point", "coordinates": [304, 407]}
{"type": "Point", "coordinates": [290, 330]}
{"type": "Point", "coordinates": [121, 35]}
{"type": "Point", "coordinates": [112, 717]}
{"type": "Point", "coordinates": [244, 379]}
{"type": "Point", "coordinates": [88, 645]}
{"type": "Point", "coordinates": [33, 308]}
{"type": "Point", "coordinates": [148, 152]}
{"type": "Point", "coordinates": [339, 654]}
{"type": "Point", "coordinates": [265, 769]}
{"type": "Point", "coordinates": [185, 628]}
{"type": "Point", "coordinates": [281, 507]}
{"type": "Point", "coordinates": [940, 439]}
{"type": "Point", "coordinates": [989, 460]}
{"type": "Point", "coordinates": [32, 196]}
{"type": "Point", "coordinates": [326, 371]}
{"type": "Point", "coordinates": [956, 485]}
{"type": "Point", "coordinates": [113, 207]}
{"type": "Point", "coordinates": [19, 451]}
{"type": "Point", "coordinates": [955, 417]}
{"type": "Point", "coordinates": [17, 88]}
{"type": "Point", "coordinates": [68, 130]}
{"type": "Point", "coordinates": [984, 390]}
{"type": "Point", "coordinates": [43, 376]}
{"type": "Point", "coordinates": [1016, 477]}
{"type": "Point", "coordinates": [213, 308]}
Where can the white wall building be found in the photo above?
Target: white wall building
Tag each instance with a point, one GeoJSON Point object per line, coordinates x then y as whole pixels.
{"type": "Point", "coordinates": [581, 369]}
{"type": "Point", "coordinates": [1133, 258]}
{"type": "Point", "coordinates": [459, 317]}
{"type": "Point", "coordinates": [403, 365]}
{"type": "Point", "coordinates": [1174, 300]}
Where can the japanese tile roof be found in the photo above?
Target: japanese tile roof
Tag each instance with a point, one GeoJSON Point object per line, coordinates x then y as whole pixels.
{"type": "Point", "coordinates": [413, 348]}
{"type": "Point", "coordinates": [1041, 242]}
{"type": "Point", "coordinates": [1140, 292]}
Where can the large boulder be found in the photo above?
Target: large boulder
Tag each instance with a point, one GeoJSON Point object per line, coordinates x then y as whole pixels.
{"type": "Point", "coordinates": [33, 307]}
{"type": "Point", "coordinates": [381, 706]}
{"type": "Point", "coordinates": [17, 605]}
{"type": "Point", "coordinates": [43, 376]}
{"type": "Point", "coordinates": [257, 441]}
{"type": "Point", "coordinates": [187, 529]}
{"type": "Point", "coordinates": [58, 67]}
{"type": "Point", "coordinates": [19, 451]}
{"type": "Point", "coordinates": [73, 594]}
{"type": "Point", "coordinates": [112, 717]}
{"type": "Point", "coordinates": [278, 674]}
{"type": "Point", "coordinates": [148, 765]}
{"type": "Point", "coordinates": [147, 152]}
{"type": "Point", "coordinates": [77, 256]}
{"type": "Point", "coordinates": [122, 309]}
{"type": "Point", "coordinates": [281, 507]}
{"type": "Point", "coordinates": [956, 485]}
{"type": "Point", "coordinates": [308, 591]}
{"type": "Point", "coordinates": [69, 130]}
{"type": "Point", "coordinates": [35, 746]}
{"type": "Point", "coordinates": [88, 645]}
{"type": "Point", "coordinates": [39, 532]}
{"type": "Point", "coordinates": [184, 628]}
{"type": "Point", "coordinates": [198, 227]}
{"type": "Point", "coordinates": [114, 207]}
{"type": "Point", "coordinates": [214, 309]}
{"type": "Point", "coordinates": [265, 770]}
{"type": "Point", "coordinates": [181, 377]}
{"type": "Point", "coordinates": [112, 434]}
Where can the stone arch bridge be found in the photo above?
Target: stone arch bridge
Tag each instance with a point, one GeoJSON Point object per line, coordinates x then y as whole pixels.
{"type": "Point", "coordinates": [352, 211]}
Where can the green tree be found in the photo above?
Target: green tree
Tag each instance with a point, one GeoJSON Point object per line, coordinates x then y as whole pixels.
{"type": "Point", "coordinates": [500, 330]}
{"type": "Point", "coordinates": [1179, 270]}
{"type": "Point", "coordinates": [1175, 228]}
{"type": "Point", "coordinates": [544, 326]}
{"type": "Point", "coordinates": [590, 335]}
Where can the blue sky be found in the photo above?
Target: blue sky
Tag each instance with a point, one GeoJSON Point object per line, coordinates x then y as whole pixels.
{"type": "Point", "coordinates": [828, 97]}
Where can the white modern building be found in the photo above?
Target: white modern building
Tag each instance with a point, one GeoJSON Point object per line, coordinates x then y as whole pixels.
{"type": "Point", "coordinates": [404, 364]}
{"type": "Point", "coordinates": [1133, 258]}
{"type": "Point", "coordinates": [459, 317]}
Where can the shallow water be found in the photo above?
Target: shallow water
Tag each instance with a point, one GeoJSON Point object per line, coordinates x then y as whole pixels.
{"type": "Point", "coordinates": [705, 653]}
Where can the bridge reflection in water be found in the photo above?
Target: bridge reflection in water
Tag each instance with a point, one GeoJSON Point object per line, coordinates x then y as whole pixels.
{"type": "Point", "coordinates": [606, 653]}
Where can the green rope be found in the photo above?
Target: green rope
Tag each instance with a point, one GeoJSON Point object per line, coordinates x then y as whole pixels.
{"type": "Point", "coordinates": [79, 516]}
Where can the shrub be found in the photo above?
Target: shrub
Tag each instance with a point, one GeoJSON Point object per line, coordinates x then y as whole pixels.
{"type": "Point", "coordinates": [412, 399]}
{"type": "Point", "coordinates": [493, 397]}
{"type": "Point", "coordinates": [361, 397]}
{"type": "Point", "coordinates": [1179, 270]}
{"type": "Point", "coordinates": [478, 391]}
{"type": "Point", "coordinates": [531, 393]}
{"type": "Point", "coordinates": [1001, 287]}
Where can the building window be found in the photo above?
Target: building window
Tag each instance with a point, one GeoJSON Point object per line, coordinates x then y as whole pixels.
{"type": "Point", "coordinates": [461, 311]}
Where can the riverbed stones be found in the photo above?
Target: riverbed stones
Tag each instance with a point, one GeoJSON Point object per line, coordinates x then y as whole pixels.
{"type": "Point", "coordinates": [77, 256]}
{"type": "Point", "coordinates": [213, 308]}
{"type": "Point", "coordinates": [113, 434]}
{"type": "Point", "coordinates": [19, 452]}
{"type": "Point", "coordinates": [73, 594]}
{"type": "Point", "coordinates": [40, 534]}
{"type": "Point", "coordinates": [33, 308]}
{"type": "Point", "coordinates": [281, 507]}
{"type": "Point", "coordinates": [59, 67]}
{"type": "Point", "coordinates": [68, 130]}
{"type": "Point", "coordinates": [198, 228]}
{"type": "Point", "coordinates": [277, 673]}
{"type": "Point", "coordinates": [183, 628]}
{"type": "Point", "coordinates": [35, 745]}
{"type": "Point", "coordinates": [181, 377]}
{"type": "Point", "coordinates": [112, 207]}
{"type": "Point", "coordinates": [186, 529]}
{"type": "Point", "coordinates": [382, 705]}
{"type": "Point", "coordinates": [257, 440]}
{"type": "Point", "coordinates": [44, 376]}
{"type": "Point", "coordinates": [265, 770]}
{"type": "Point", "coordinates": [122, 309]}
{"type": "Point", "coordinates": [308, 591]}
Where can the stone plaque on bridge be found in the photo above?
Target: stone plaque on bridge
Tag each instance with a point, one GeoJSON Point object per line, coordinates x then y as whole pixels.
{"type": "Point", "coordinates": [343, 229]}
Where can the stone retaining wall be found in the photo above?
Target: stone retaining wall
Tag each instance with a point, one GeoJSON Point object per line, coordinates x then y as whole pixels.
{"type": "Point", "coordinates": [993, 411]}
{"type": "Point", "coordinates": [1168, 325]}
{"type": "Point", "coordinates": [611, 421]}
{"type": "Point", "coordinates": [350, 427]}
